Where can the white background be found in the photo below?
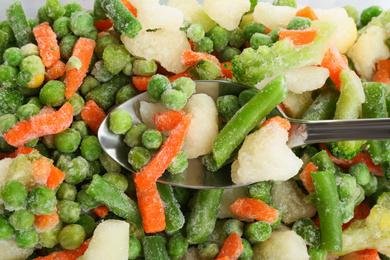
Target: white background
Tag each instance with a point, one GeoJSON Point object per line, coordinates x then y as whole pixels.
{"type": "Point", "coordinates": [31, 6]}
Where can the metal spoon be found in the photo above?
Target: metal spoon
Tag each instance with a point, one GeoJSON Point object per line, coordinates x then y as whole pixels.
{"type": "Point", "coordinates": [198, 177]}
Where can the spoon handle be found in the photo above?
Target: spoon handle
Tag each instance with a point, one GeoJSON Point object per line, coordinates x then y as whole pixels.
{"type": "Point", "coordinates": [338, 130]}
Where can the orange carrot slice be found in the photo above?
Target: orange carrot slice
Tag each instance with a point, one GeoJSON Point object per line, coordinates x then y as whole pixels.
{"type": "Point", "coordinates": [130, 7]}
{"type": "Point", "coordinates": [83, 49]}
{"type": "Point", "coordinates": [56, 177]}
{"type": "Point", "coordinates": [166, 121]}
{"type": "Point", "coordinates": [67, 255]}
{"type": "Point", "coordinates": [254, 209]}
{"type": "Point", "coordinates": [169, 150]}
{"type": "Point", "coordinates": [179, 75]}
{"type": "Point", "coordinates": [141, 82]}
{"type": "Point", "coordinates": [41, 170]}
{"type": "Point", "coordinates": [284, 123]}
{"type": "Point", "coordinates": [226, 71]}
{"type": "Point", "coordinates": [335, 63]}
{"type": "Point", "coordinates": [93, 115]}
{"type": "Point", "coordinates": [222, 258]}
{"type": "Point", "coordinates": [103, 25]}
{"type": "Point", "coordinates": [151, 208]}
{"type": "Point", "coordinates": [40, 125]}
{"type": "Point", "coordinates": [306, 177]}
{"type": "Point", "coordinates": [362, 157]}
{"type": "Point", "coordinates": [366, 254]}
{"type": "Point", "coordinates": [307, 12]}
{"type": "Point", "coordinates": [56, 71]}
{"type": "Point", "coordinates": [101, 211]}
{"type": "Point", "coordinates": [20, 150]}
{"type": "Point", "coordinates": [232, 248]}
{"type": "Point", "coordinates": [191, 58]}
{"type": "Point", "coordinates": [47, 44]}
{"type": "Point", "coordinates": [299, 37]}
{"type": "Point", "coordinates": [45, 222]}
{"type": "Point", "coordinates": [383, 71]}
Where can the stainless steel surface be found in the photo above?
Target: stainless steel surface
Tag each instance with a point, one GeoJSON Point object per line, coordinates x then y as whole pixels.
{"type": "Point", "coordinates": [197, 177]}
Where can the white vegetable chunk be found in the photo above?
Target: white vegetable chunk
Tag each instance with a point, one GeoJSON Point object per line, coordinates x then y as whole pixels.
{"type": "Point", "coordinates": [204, 125]}
{"type": "Point", "coordinates": [265, 156]}
{"type": "Point", "coordinates": [368, 50]}
{"type": "Point", "coordinates": [110, 240]}
{"type": "Point", "coordinates": [10, 251]}
{"type": "Point", "coordinates": [286, 245]}
{"type": "Point", "coordinates": [290, 200]}
{"type": "Point", "coordinates": [273, 16]}
{"type": "Point", "coordinates": [4, 166]}
{"type": "Point", "coordinates": [147, 110]}
{"type": "Point", "coordinates": [163, 46]}
{"type": "Point", "coordinates": [227, 13]}
{"type": "Point", "coordinates": [188, 7]}
{"type": "Point", "coordinates": [297, 104]}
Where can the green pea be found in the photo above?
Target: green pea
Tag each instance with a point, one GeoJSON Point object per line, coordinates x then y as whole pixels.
{"type": "Point", "coordinates": [14, 194]}
{"type": "Point", "coordinates": [274, 34]}
{"type": "Point", "coordinates": [177, 246]}
{"type": "Point", "coordinates": [52, 93]}
{"type": "Point", "coordinates": [35, 101]}
{"type": "Point", "coordinates": [26, 238]}
{"type": "Point", "coordinates": [133, 137]}
{"type": "Point", "coordinates": [229, 53]}
{"type": "Point", "coordinates": [26, 111]}
{"type": "Point", "coordinates": [24, 77]}
{"type": "Point", "coordinates": [185, 85]}
{"type": "Point", "coordinates": [87, 223]}
{"type": "Point", "coordinates": [101, 73]}
{"type": "Point", "coordinates": [68, 211]}
{"type": "Point", "coordinates": [352, 12]}
{"type": "Point", "coordinates": [66, 46]}
{"type": "Point", "coordinates": [259, 39]}
{"type": "Point", "coordinates": [55, 9]}
{"type": "Point", "coordinates": [157, 85]}
{"type": "Point", "coordinates": [346, 185]}
{"type": "Point", "coordinates": [77, 171]}
{"type": "Point", "coordinates": [68, 140]}
{"type": "Point", "coordinates": [90, 148]}
{"type": "Point", "coordinates": [8, 76]}
{"type": "Point", "coordinates": [135, 248]}
{"type": "Point", "coordinates": [195, 32]}
{"type": "Point", "coordinates": [119, 180]}
{"type": "Point", "coordinates": [66, 191]}
{"type": "Point", "coordinates": [77, 103]}
{"type": "Point", "coordinates": [233, 226]}
{"type": "Point", "coordinates": [361, 173]}
{"type": "Point", "coordinates": [205, 70]}
{"type": "Point", "coordinates": [48, 238]}
{"type": "Point", "coordinates": [32, 143]}
{"type": "Point", "coordinates": [227, 106]}
{"type": "Point", "coordinates": [88, 84]}
{"type": "Point", "coordinates": [236, 38]}
{"type": "Point", "coordinates": [21, 219]}
{"type": "Point", "coordinates": [139, 157]}
{"type": "Point", "coordinates": [6, 230]}
{"type": "Point", "coordinates": [204, 45]}
{"type": "Point", "coordinates": [179, 163]}
{"type": "Point", "coordinates": [72, 7]}
{"type": "Point", "coordinates": [219, 36]}
{"type": "Point", "coordinates": [94, 168]}
{"type": "Point", "coordinates": [115, 58]}
{"type": "Point", "coordinates": [71, 236]}
{"type": "Point", "coordinates": [246, 95]}
{"type": "Point", "coordinates": [103, 42]}
{"type": "Point", "coordinates": [13, 56]}
{"type": "Point", "coordinates": [208, 250]}
{"type": "Point", "coordinates": [120, 121]}
{"type": "Point", "coordinates": [252, 28]}
{"type": "Point", "coordinates": [7, 121]}
{"type": "Point", "coordinates": [291, 3]}
{"type": "Point", "coordinates": [81, 23]}
{"type": "Point", "coordinates": [80, 126]}
{"type": "Point", "coordinates": [108, 163]}
{"type": "Point", "coordinates": [299, 23]}
{"type": "Point", "coordinates": [61, 27]}
{"type": "Point", "coordinates": [257, 232]}
{"type": "Point", "coordinates": [41, 201]}
{"type": "Point", "coordinates": [151, 139]}
{"type": "Point", "coordinates": [369, 13]}
{"type": "Point", "coordinates": [144, 67]}
{"type": "Point", "coordinates": [371, 187]}
{"type": "Point", "coordinates": [173, 99]}
{"type": "Point", "coordinates": [43, 16]}
{"type": "Point", "coordinates": [248, 251]}
{"type": "Point", "coordinates": [125, 93]}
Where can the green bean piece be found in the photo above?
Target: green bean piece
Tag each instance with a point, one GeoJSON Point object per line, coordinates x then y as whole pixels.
{"type": "Point", "coordinates": [86, 201]}
{"type": "Point", "coordinates": [227, 106]}
{"type": "Point", "coordinates": [323, 162]}
{"type": "Point", "coordinates": [41, 201]}
{"type": "Point", "coordinates": [81, 23]}
{"type": "Point", "coordinates": [21, 219]}
{"type": "Point", "coordinates": [88, 223]}
{"type": "Point", "coordinates": [13, 56]}
{"type": "Point", "coordinates": [323, 107]}
{"type": "Point", "coordinates": [14, 194]}
{"type": "Point", "coordinates": [261, 191]}
{"type": "Point", "coordinates": [219, 36]}
{"type": "Point", "coordinates": [71, 236]}
{"type": "Point", "coordinates": [369, 13]}
{"type": "Point", "coordinates": [121, 17]}
{"type": "Point", "coordinates": [236, 38]}
{"type": "Point", "coordinates": [371, 187]}
{"type": "Point", "coordinates": [248, 251]}
{"type": "Point", "coordinates": [108, 163]}
{"type": "Point", "coordinates": [173, 99]}
{"type": "Point", "coordinates": [182, 195]}
{"type": "Point", "coordinates": [228, 54]}
{"type": "Point", "coordinates": [19, 24]}
{"type": "Point", "coordinates": [177, 246]}
{"type": "Point", "coordinates": [154, 248]}
{"type": "Point", "coordinates": [291, 3]}
{"type": "Point", "coordinates": [179, 163]}
{"type": "Point", "coordinates": [98, 11]}
{"type": "Point", "coordinates": [202, 219]}
{"type": "Point", "coordinates": [157, 85]}
{"type": "Point", "coordinates": [233, 226]}
{"type": "Point", "coordinates": [125, 93]}
{"type": "Point", "coordinates": [133, 137]}
{"type": "Point", "coordinates": [88, 84]}
{"type": "Point", "coordinates": [66, 191]}
{"type": "Point", "coordinates": [119, 180]}
{"type": "Point", "coordinates": [120, 122]}
{"type": "Point", "coordinates": [3, 43]}
{"type": "Point", "coordinates": [105, 192]}
{"type": "Point", "coordinates": [306, 228]}
{"type": "Point", "coordinates": [139, 157]}
{"type": "Point", "coordinates": [252, 28]}
{"type": "Point", "coordinates": [135, 248]}
{"type": "Point", "coordinates": [6, 230]}
{"type": "Point", "coordinates": [48, 238]}
{"type": "Point", "coordinates": [144, 67]}
{"type": "Point", "coordinates": [299, 23]}
{"type": "Point", "coordinates": [68, 211]}
{"type": "Point", "coordinates": [174, 218]}
{"type": "Point", "coordinates": [257, 232]}
{"type": "Point", "coordinates": [259, 39]}
{"type": "Point", "coordinates": [8, 76]}
{"type": "Point", "coordinates": [247, 118]}
{"type": "Point", "coordinates": [26, 238]}
{"type": "Point", "coordinates": [115, 58]}
{"type": "Point", "coordinates": [7, 121]}
{"type": "Point", "coordinates": [327, 203]}
{"type": "Point", "coordinates": [71, 8]}
{"type": "Point", "coordinates": [205, 70]}
{"type": "Point", "coordinates": [208, 250]}
{"type": "Point", "coordinates": [204, 45]}
{"type": "Point", "coordinates": [68, 140]}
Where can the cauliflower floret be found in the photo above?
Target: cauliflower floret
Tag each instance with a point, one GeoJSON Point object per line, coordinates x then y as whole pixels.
{"type": "Point", "coordinates": [188, 7]}
{"type": "Point", "coordinates": [265, 156]}
{"type": "Point", "coordinates": [204, 125]}
{"type": "Point", "coordinates": [227, 13]}
{"type": "Point", "coordinates": [273, 16]}
{"type": "Point", "coordinates": [368, 50]}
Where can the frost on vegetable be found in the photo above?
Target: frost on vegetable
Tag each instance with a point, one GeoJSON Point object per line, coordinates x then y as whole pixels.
{"type": "Point", "coordinates": [301, 79]}
{"type": "Point", "coordinates": [10, 251]}
{"type": "Point", "coordinates": [251, 67]}
{"type": "Point", "coordinates": [110, 241]}
{"type": "Point", "coordinates": [204, 125]}
{"type": "Point", "coordinates": [4, 170]}
{"type": "Point", "coordinates": [290, 200]}
{"type": "Point", "coordinates": [265, 156]}
{"type": "Point", "coordinates": [382, 20]}
{"type": "Point", "coordinates": [273, 16]}
{"type": "Point", "coordinates": [163, 46]}
{"type": "Point", "coordinates": [147, 110]}
{"type": "Point", "coordinates": [188, 7]}
{"type": "Point", "coordinates": [228, 198]}
{"type": "Point", "coordinates": [227, 13]}
{"type": "Point", "coordinates": [297, 104]}
{"type": "Point", "coordinates": [286, 245]}
{"type": "Point", "coordinates": [368, 50]}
